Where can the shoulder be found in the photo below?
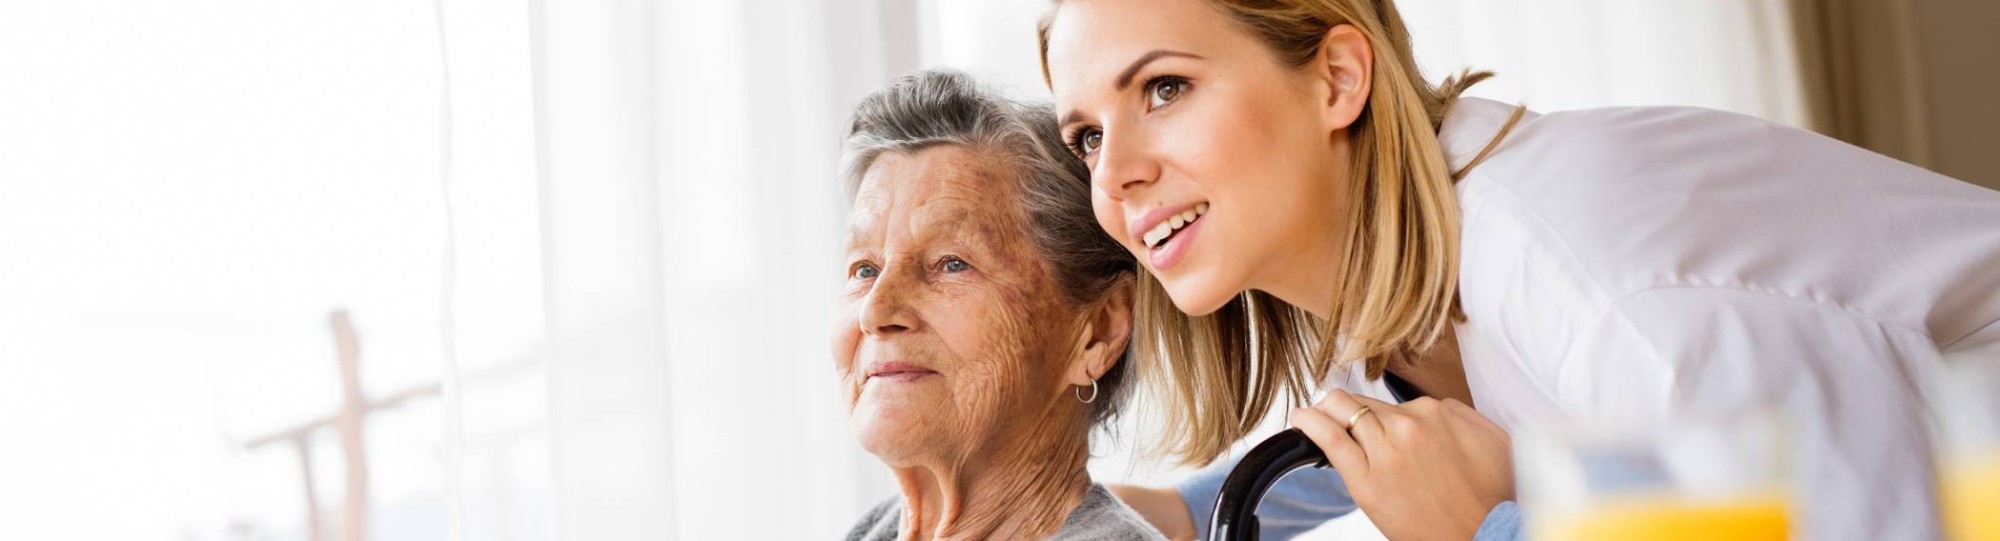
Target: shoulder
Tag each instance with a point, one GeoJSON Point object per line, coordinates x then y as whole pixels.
{"type": "Point", "coordinates": [1595, 205]}
{"type": "Point", "coordinates": [1622, 191]}
{"type": "Point", "coordinates": [879, 523]}
{"type": "Point", "coordinates": [1660, 232]}
{"type": "Point", "coordinates": [1610, 139]}
{"type": "Point", "coordinates": [1102, 516]}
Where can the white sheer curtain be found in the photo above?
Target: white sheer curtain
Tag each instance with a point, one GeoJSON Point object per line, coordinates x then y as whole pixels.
{"type": "Point", "coordinates": [1553, 55]}
{"type": "Point", "coordinates": [690, 217]}
{"type": "Point", "coordinates": [189, 190]}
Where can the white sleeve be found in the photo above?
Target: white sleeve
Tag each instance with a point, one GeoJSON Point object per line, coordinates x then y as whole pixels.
{"type": "Point", "coordinates": [1844, 380]}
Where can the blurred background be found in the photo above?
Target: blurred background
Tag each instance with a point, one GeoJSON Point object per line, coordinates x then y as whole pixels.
{"type": "Point", "coordinates": [526, 269]}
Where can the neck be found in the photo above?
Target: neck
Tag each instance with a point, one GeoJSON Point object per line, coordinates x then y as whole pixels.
{"type": "Point", "coordinates": [1016, 487]}
{"type": "Point", "coordinates": [1306, 278]}
{"type": "Point", "coordinates": [1305, 275]}
{"type": "Point", "coordinates": [1440, 371]}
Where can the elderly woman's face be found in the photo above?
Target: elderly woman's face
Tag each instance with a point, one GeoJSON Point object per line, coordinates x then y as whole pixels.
{"type": "Point", "coordinates": [950, 332]}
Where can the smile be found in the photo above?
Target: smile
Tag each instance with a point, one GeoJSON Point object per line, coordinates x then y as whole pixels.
{"type": "Point", "coordinates": [1161, 232]}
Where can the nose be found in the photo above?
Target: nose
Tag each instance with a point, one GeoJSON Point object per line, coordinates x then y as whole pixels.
{"type": "Point", "coordinates": [887, 310]}
{"type": "Point", "coordinates": [1124, 165]}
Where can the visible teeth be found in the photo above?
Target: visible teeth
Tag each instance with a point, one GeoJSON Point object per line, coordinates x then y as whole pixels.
{"type": "Point", "coordinates": [1166, 228]}
{"type": "Point", "coordinates": [1158, 233]}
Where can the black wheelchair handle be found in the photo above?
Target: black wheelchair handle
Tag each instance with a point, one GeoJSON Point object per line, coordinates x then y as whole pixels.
{"type": "Point", "coordinates": [1235, 516]}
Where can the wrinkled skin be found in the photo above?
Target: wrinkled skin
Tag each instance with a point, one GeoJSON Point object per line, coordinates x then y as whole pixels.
{"type": "Point", "coordinates": [988, 440]}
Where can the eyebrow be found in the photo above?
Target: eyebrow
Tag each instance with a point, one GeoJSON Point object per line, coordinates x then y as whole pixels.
{"type": "Point", "coordinates": [1125, 77]}
{"type": "Point", "coordinates": [1132, 70]}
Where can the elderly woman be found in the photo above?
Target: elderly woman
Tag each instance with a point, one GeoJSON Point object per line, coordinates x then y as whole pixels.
{"type": "Point", "coordinates": [982, 330]}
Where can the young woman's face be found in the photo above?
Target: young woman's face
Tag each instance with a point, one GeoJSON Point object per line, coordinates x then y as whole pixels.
{"type": "Point", "coordinates": [1211, 159]}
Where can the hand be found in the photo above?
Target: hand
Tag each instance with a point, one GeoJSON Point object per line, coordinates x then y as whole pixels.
{"type": "Point", "coordinates": [1427, 469]}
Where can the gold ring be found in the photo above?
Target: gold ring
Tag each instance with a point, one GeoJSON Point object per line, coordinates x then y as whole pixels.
{"type": "Point", "coordinates": [1356, 417]}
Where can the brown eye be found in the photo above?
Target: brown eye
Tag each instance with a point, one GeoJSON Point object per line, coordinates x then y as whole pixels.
{"type": "Point", "coordinates": [1164, 90]}
{"type": "Point", "coordinates": [1086, 141]}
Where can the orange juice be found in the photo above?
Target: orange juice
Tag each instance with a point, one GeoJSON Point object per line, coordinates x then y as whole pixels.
{"type": "Point", "coordinates": [1972, 500]}
{"type": "Point", "coordinates": [1670, 518]}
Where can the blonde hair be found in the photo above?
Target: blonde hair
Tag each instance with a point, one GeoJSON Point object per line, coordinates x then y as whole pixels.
{"type": "Point", "coordinates": [1398, 285]}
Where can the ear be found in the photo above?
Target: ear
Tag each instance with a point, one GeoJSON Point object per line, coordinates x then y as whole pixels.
{"type": "Point", "coordinates": [1107, 330]}
{"type": "Point", "coordinates": [1345, 64]}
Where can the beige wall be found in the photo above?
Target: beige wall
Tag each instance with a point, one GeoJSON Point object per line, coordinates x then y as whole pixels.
{"type": "Point", "coordinates": [1959, 44]}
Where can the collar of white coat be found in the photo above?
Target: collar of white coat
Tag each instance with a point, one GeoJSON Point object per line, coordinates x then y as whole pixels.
{"type": "Point", "coordinates": [1351, 379]}
{"type": "Point", "coordinates": [1468, 126]}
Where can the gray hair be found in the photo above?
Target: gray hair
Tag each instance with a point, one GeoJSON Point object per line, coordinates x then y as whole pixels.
{"type": "Point", "coordinates": [945, 107]}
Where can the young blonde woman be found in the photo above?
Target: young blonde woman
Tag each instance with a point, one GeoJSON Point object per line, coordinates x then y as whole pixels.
{"type": "Point", "coordinates": [1310, 214]}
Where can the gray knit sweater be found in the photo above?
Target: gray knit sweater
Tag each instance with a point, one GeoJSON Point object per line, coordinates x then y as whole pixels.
{"type": "Point", "coordinates": [1100, 517]}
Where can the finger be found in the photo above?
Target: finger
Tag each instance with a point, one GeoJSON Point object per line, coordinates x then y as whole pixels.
{"type": "Point", "coordinates": [1341, 406]}
{"type": "Point", "coordinates": [1373, 403]}
{"type": "Point", "coordinates": [1383, 419]}
{"type": "Point", "coordinates": [1341, 450]}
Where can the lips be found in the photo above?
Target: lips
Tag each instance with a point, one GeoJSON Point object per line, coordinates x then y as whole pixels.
{"type": "Point", "coordinates": [1167, 232]}
{"type": "Point", "coordinates": [1153, 229]}
{"type": "Point", "coordinates": [897, 371]}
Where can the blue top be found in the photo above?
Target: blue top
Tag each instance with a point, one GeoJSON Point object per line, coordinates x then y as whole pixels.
{"type": "Point", "coordinates": [1308, 497]}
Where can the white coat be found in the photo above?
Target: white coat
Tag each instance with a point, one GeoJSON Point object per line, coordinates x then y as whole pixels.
{"type": "Point", "coordinates": [1639, 265]}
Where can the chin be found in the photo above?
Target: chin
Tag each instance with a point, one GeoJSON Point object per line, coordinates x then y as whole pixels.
{"type": "Point", "coordinates": [894, 440]}
{"type": "Point", "coordinates": [1197, 295]}
{"type": "Point", "coordinates": [888, 443]}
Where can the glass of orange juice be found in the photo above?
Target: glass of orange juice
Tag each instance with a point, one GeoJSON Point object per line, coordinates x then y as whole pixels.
{"type": "Point", "coordinates": [1716, 477]}
{"type": "Point", "coordinates": [1964, 398]}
